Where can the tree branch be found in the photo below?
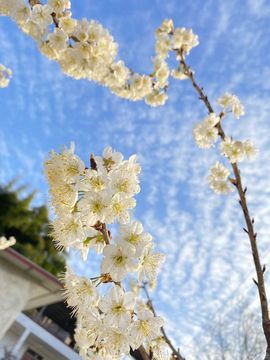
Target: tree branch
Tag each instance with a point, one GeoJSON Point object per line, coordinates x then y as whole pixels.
{"type": "Point", "coordinates": [243, 203]}
{"type": "Point", "coordinates": [175, 353]}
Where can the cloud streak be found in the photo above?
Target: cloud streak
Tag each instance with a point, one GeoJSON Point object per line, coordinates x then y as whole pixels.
{"type": "Point", "coordinates": [209, 263]}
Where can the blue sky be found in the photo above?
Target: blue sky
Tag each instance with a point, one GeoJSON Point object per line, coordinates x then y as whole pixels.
{"type": "Point", "coordinates": [208, 266]}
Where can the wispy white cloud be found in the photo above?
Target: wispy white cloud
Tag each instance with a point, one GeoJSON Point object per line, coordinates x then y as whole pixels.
{"type": "Point", "coordinates": [208, 257]}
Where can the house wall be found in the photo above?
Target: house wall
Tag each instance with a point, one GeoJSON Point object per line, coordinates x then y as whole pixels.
{"type": "Point", "coordinates": [8, 342]}
{"type": "Point", "coordinates": [15, 291]}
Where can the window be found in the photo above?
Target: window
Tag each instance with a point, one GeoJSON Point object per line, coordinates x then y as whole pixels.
{"type": "Point", "coordinates": [31, 355]}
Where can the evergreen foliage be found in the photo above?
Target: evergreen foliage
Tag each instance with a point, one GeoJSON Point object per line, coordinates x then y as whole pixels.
{"type": "Point", "coordinates": [30, 226]}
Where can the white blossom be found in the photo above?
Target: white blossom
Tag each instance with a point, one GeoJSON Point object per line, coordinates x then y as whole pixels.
{"type": "Point", "coordinates": [95, 207]}
{"type": "Point", "coordinates": [68, 230]}
{"type": "Point", "coordinates": [59, 6]}
{"type": "Point", "coordinates": [41, 14]}
{"type": "Point", "coordinates": [118, 75]}
{"type": "Point", "coordinates": [184, 39]}
{"type": "Point", "coordinates": [134, 235]}
{"type": "Point", "coordinates": [160, 349]}
{"type": "Point", "coordinates": [149, 264]}
{"type": "Point", "coordinates": [110, 159]}
{"type": "Point", "coordinates": [93, 240]}
{"type": "Point", "coordinates": [156, 98]}
{"type": "Point", "coordinates": [163, 44]}
{"type": "Point", "coordinates": [47, 50]}
{"type": "Point", "coordinates": [233, 150]}
{"type": "Point", "coordinates": [118, 261]}
{"type": "Point", "coordinates": [87, 336]}
{"type": "Point", "coordinates": [146, 327]}
{"type": "Point", "coordinates": [140, 86]}
{"type": "Point", "coordinates": [94, 180]}
{"type": "Point", "coordinates": [33, 29]}
{"type": "Point", "coordinates": [80, 292]}
{"type": "Point", "coordinates": [119, 209]}
{"type": "Point", "coordinates": [67, 24]}
{"type": "Point", "coordinates": [205, 133]}
{"type": "Point", "coordinates": [166, 26]}
{"type": "Point", "coordinates": [161, 72]}
{"type": "Point", "coordinates": [118, 307]}
{"type": "Point", "coordinates": [124, 182]}
{"type": "Point", "coordinates": [178, 74]}
{"type": "Point", "coordinates": [231, 102]}
{"type": "Point", "coordinates": [20, 12]}
{"type": "Point", "coordinates": [64, 197]}
{"type": "Point", "coordinates": [131, 165]}
{"type": "Point", "coordinates": [5, 243]}
{"type": "Point", "coordinates": [7, 6]}
{"type": "Point", "coordinates": [116, 342]}
{"type": "Point", "coordinates": [218, 179]}
{"type": "Point", "coordinates": [249, 149]}
{"type": "Point", "coordinates": [58, 39]}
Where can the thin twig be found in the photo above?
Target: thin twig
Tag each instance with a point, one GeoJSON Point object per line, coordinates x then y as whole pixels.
{"type": "Point", "coordinates": [243, 203]}
{"type": "Point", "coordinates": [144, 353]}
{"type": "Point", "coordinates": [176, 354]}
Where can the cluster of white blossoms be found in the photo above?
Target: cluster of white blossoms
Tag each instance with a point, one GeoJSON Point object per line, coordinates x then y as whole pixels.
{"type": "Point", "coordinates": [5, 76]}
{"type": "Point", "coordinates": [6, 243]}
{"type": "Point", "coordinates": [219, 179]}
{"type": "Point", "coordinates": [85, 49]}
{"type": "Point", "coordinates": [237, 151]}
{"type": "Point", "coordinates": [206, 134]}
{"type": "Point", "coordinates": [86, 200]}
{"type": "Point", "coordinates": [231, 102]}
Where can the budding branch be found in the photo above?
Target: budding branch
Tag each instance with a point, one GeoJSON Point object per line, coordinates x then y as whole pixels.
{"type": "Point", "coordinates": [243, 203]}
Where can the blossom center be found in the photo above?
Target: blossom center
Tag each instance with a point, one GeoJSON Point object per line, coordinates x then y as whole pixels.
{"type": "Point", "coordinates": [118, 208]}
{"type": "Point", "coordinates": [133, 239]}
{"type": "Point", "coordinates": [108, 163]}
{"type": "Point", "coordinates": [123, 186]}
{"type": "Point", "coordinates": [118, 308]}
{"type": "Point", "coordinates": [97, 207]}
{"type": "Point", "coordinates": [119, 259]}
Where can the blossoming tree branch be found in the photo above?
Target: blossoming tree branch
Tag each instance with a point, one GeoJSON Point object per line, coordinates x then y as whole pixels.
{"type": "Point", "coordinates": [86, 200]}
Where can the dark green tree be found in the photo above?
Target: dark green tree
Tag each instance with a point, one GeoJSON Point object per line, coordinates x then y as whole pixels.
{"type": "Point", "coordinates": [30, 226]}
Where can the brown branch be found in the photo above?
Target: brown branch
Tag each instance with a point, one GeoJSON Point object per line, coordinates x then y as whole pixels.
{"type": "Point", "coordinates": [93, 163]}
{"type": "Point", "coordinates": [143, 353]}
{"type": "Point", "coordinates": [101, 227]}
{"type": "Point", "coordinates": [248, 219]}
{"type": "Point", "coordinates": [175, 353]}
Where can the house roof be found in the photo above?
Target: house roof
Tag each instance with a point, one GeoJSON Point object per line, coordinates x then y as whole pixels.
{"type": "Point", "coordinates": [46, 288]}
